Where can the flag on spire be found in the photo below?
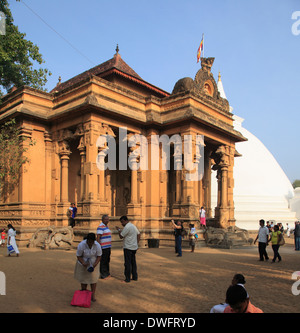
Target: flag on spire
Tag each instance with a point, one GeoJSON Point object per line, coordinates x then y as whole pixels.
{"type": "Point", "coordinates": [200, 49]}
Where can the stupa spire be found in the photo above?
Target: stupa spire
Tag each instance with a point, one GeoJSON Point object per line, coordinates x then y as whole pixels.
{"type": "Point", "coordinates": [220, 87]}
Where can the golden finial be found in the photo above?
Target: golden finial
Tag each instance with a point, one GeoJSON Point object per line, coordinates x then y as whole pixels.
{"type": "Point", "coordinates": [59, 81]}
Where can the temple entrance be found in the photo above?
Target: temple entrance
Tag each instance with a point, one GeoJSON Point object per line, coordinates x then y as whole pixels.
{"type": "Point", "coordinates": [118, 191]}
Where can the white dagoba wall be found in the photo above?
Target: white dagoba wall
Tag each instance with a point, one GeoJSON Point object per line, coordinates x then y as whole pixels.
{"type": "Point", "coordinates": [295, 202]}
{"type": "Point", "coordinates": [261, 188]}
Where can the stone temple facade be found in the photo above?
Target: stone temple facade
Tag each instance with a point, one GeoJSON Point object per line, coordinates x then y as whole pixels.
{"type": "Point", "coordinates": [107, 101]}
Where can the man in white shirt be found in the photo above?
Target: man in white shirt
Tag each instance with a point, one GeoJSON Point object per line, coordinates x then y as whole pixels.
{"type": "Point", "coordinates": [131, 237]}
{"type": "Point", "coordinates": [262, 237]}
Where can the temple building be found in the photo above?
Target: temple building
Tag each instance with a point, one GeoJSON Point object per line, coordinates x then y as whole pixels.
{"type": "Point", "coordinates": [105, 101]}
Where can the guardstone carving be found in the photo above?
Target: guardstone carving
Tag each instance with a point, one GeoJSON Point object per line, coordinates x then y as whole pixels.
{"type": "Point", "coordinates": [52, 238]}
{"type": "Point", "coordinates": [227, 238]}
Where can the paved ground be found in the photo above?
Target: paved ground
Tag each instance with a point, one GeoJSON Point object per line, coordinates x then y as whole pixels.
{"type": "Point", "coordinates": [42, 281]}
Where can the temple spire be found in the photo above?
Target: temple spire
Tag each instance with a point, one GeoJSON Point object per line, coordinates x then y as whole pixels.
{"type": "Point", "coordinates": [220, 87]}
{"type": "Point", "coordinates": [117, 49]}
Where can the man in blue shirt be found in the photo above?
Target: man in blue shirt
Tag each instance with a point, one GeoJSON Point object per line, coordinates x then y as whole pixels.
{"type": "Point", "coordinates": [73, 210]}
{"type": "Point", "coordinates": [104, 239]}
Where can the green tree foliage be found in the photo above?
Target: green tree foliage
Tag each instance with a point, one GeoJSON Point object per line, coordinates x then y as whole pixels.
{"type": "Point", "coordinates": [12, 157]}
{"type": "Point", "coordinates": [296, 183]}
{"type": "Point", "coordinates": [18, 56]}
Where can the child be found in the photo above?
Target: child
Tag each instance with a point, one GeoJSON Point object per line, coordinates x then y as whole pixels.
{"type": "Point", "coordinates": [202, 217]}
{"type": "Point", "coordinates": [192, 236]}
{"type": "Point", "coordinates": [3, 234]}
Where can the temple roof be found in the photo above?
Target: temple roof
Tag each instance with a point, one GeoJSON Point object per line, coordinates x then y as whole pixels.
{"type": "Point", "coordinates": [115, 65]}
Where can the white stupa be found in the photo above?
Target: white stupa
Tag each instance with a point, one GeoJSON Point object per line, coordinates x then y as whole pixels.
{"type": "Point", "coordinates": [295, 202]}
{"type": "Point", "coordinates": [261, 188]}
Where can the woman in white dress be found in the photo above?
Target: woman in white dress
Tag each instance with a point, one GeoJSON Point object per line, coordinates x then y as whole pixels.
{"type": "Point", "coordinates": [88, 254]}
{"type": "Point", "coordinates": [11, 240]}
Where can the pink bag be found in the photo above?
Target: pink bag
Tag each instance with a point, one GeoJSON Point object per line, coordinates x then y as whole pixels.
{"type": "Point", "coordinates": [82, 298]}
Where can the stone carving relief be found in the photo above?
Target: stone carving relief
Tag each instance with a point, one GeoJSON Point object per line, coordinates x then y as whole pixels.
{"type": "Point", "coordinates": [203, 85]}
{"type": "Point", "coordinates": [64, 148]}
{"type": "Point", "coordinates": [52, 238]}
{"type": "Point", "coordinates": [227, 238]}
{"type": "Point", "coordinates": [220, 157]}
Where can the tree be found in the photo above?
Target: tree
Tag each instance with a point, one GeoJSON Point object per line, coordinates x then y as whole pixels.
{"type": "Point", "coordinates": [296, 183]}
{"type": "Point", "coordinates": [12, 156]}
{"type": "Point", "coordinates": [18, 57]}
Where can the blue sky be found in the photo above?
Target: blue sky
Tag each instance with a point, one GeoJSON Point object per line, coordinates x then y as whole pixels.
{"type": "Point", "coordinates": [252, 42]}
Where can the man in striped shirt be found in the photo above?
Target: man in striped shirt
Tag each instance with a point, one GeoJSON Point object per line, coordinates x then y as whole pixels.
{"type": "Point", "coordinates": [104, 239]}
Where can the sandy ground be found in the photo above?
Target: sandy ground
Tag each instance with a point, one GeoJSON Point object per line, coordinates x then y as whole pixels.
{"type": "Point", "coordinates": [42, 281]}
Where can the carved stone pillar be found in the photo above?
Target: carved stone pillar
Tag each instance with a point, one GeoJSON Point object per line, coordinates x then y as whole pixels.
{"type": "Point", "coordinates": [221, 157]}
{"type": "Point", "coordinates": [207, 183]}
{"type": "Point", "coordinates": [224, 186]}
{"type": "Point", "coordinates": [101, 174]}
{"type": "Point", "coordinates": [134, 184]}
{"type": "Point", "coordinates": [48, 173]}
{"type": "Point", "coordinates": [134, 205]}
{"type": "Point", "coordinates": [178, 166]}
{"type": "Point", "coordinates": [133, 159]}
{"type": "Point", "coordinates": [64, 154]}
{"type": "Point", "coordinates": [81, 148]}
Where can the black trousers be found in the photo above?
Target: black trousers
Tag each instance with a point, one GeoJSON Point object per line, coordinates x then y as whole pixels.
{"type": "Point", "coordinates": [72, 222]}
{"type": "Point", "coordinates": [262, 251]}
{"type": "Point", "coordinates": [104, 263]}
{"type": "Point", "coordinates": [130, 265]}
{"type": "Point", "coordinates": [276, 252]}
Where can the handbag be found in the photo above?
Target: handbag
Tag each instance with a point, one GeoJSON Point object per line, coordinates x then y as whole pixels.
{"type": "Point", "coordinates": [10, 249]}
{"type": "Point", "coordinates": [282, 241]}
{"type": "Point", "coordinates": [82, 298]}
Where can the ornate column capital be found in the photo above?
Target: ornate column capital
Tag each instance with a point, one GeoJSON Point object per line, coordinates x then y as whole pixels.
{"type": "Point", "coordinates": [64, 149]}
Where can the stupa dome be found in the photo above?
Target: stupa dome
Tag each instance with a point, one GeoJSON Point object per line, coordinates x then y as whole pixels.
{"type": "Point", "coordinates": [257, 172]}
{"type": "Point", "coordinates": [261, 188]}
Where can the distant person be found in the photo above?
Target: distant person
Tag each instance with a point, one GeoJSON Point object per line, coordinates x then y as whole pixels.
{"type": "Point", "coordinates": [202, 217]}
{"type": "Point", "coordinates": [131, 237]}
{"type": "Point", "coordinates": [178, 231]}
{"type": "Point", "coordinates": [288, 231]}
{"type": "Point", "coordinates": [11, 240]}
{"type": "Point", "coordinates": [297, 236]}
{"type": "Point", "coordinates": [239, 301]}
{"type": "Point", "coordinates": [72, 214]}
{"type": "Point", "coordinates": [262, 236]}
{"type": "Point", "coordinates": [3, 236]}
{"type": "Point", "coordinates": [275, 238]}
{"type": "Point", "coordinates": [192, 236]}
{"type": "Point", "coordinates": [104, 239]}
{"type": "Point", "coordinates": [237, 279]}
{"type": "Point", "coordinates": [88, 257]}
